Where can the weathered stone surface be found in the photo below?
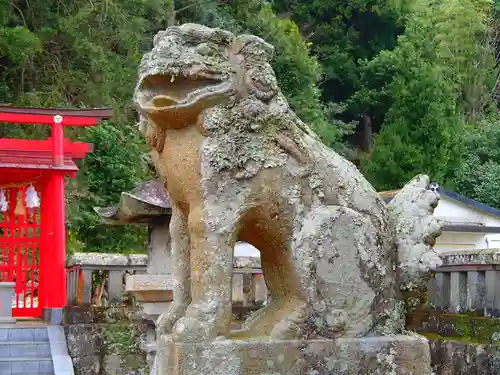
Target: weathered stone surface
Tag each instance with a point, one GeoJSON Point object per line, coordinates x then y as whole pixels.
{"type": "Point", "coordinates": [479, 257]}
{"type": "Point", "coordinates": [84, 340]}
{"type": "Point", "coordinates": [146, 282]}
{"type": "Point", "coordinates": [150, 288]}
{"type": "Point", "coordinates": [396, 355]}
{"type": "Point", "coordinates": [159, 246]}
{"type": "Point", "coordinates": [90, 365]}
{"type": "Point", "coordinates": [105, 259]}
{"type": "Point", "coordinates": [114, 365]}
{"type": "Point", "coordinates": [238, 163]}
{"type": "Point", "coordinates": [416, 231]}
{"type": "Point", "coordinates": [459, 358]}
{"type": "Point", "coordinates": [107, 349]}
{"type": "Point", "coordinates": [448, 357]}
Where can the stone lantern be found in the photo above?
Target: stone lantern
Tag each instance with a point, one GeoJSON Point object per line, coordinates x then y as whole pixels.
{"type": "Point", "coordinates": [148, 204]}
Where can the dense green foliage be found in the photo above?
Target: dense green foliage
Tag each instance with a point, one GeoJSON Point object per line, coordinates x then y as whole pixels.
{"type": "Point", "coordinates": [86, 54]}
{"type": "Point", "coordinates": [400, 86]}
{"type": "Point", "coordinates": [430, 88]}
{"type": "Point", "coordinates": [478, 176]}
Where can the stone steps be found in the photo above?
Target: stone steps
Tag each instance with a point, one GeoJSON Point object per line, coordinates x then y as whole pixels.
{"type": "Point", "coordinates": [25, 351]}
{"type": "Point", "coordinates": [26, 365]}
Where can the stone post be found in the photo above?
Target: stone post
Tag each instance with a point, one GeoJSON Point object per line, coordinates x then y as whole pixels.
{"type": "Point", "coordinates": [154, 289]}
{"type": "Point", "coordinates": [6, 296]}
{"type": "Point", "coordinates": [148, 204]}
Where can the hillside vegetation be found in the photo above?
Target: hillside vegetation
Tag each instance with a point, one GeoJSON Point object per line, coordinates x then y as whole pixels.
{"type": "Point", "coordinates": [400, 87]}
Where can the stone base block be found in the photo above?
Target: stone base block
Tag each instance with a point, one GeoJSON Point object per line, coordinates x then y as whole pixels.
{"type": "Point", "coordinates": [155, 309]}
{"type": "Point", "coordinates": [150, 288]}
{"type": "Point", "coordinates": [53, 315]}
{"type": "Point", "coordinates": [391, 355]}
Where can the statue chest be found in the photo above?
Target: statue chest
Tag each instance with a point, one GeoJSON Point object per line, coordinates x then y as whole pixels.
{"type": "Point", "coordinates": [179, 163]}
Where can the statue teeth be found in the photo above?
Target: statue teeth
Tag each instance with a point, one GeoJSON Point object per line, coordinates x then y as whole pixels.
{"type": "Point", "coordinates": [172, 79]}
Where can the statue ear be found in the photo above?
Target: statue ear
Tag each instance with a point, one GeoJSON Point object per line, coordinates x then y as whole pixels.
{"type": "Point", "coordinates": [254, 48]}
{"type": "Point", "coordinates": [261, 81]}
{"type": "Point", "coordinates": [256, 55]}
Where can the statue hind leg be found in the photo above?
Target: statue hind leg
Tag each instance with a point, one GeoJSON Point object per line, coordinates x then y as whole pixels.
{"type": "Point", "coordinates": [344, 261]}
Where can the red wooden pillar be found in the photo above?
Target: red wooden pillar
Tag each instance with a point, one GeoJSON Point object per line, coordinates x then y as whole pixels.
{"type": "Point", "coordinates": [56, 260]}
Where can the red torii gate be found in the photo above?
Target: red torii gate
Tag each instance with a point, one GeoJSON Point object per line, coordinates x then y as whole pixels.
{"type": "Point", "coordinates": [33, 241]}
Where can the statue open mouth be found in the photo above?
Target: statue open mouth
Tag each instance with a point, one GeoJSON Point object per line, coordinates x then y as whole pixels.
{"type": "Point", "coordinates": [193, 92]}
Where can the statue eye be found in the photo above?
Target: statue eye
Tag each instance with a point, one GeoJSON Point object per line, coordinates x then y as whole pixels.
{"type": "Point", "coordinates": [205, 50]}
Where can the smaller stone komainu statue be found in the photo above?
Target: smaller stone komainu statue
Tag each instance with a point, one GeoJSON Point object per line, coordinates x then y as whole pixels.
{"type": "Point", "coordinates": [239, 164]}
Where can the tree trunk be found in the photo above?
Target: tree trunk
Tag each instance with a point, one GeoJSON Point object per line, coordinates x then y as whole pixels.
{"type": "Point", "coordinates": [171, 21]}
{"type": "Point", "coordinates": [367, 134]}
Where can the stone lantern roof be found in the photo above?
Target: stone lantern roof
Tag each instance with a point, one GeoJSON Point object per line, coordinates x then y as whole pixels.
{"type": "Point", "coordinates": [147, 200]}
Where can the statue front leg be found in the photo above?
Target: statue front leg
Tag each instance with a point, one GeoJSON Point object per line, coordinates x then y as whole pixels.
{"type": "Point", "coordinates": [212, 243]}
{"type": "Point", "coordinates": [181, 267]}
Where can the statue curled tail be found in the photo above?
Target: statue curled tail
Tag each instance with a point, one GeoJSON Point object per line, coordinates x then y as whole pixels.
{"type": "Point", "coordinates": [416, 229]}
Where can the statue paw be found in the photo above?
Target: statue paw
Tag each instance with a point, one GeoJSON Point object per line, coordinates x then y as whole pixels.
{"type": "Point", "coordinates": [285, 330]}
{"type": "Point", "coordinates": [164, 324]}
{"type": "Point", "coordinates": [193, 330]}
{"type": "Point", "coordinates": [166, 321]}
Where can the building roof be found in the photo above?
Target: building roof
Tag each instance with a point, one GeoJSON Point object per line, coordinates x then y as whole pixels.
{"type": "Point", "coordinates": [29, 165]}
{"type": "Point", "coordinates": [389, 194]}
{"type": "Point", "coordinates": [27, 160]}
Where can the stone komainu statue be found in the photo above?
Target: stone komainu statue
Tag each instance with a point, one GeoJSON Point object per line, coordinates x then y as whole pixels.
{"type": "Point", "coordinates": [238, 163]}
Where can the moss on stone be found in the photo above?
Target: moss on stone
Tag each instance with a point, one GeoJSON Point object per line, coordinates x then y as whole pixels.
{"type": "Point", "coordinates": [435, 336]}
{"type": "Point", "coordinates": [467, 327]}
{"type": "Point", "coordinates": [122, 341]}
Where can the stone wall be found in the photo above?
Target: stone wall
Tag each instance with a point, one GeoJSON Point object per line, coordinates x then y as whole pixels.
{"type": "Point", "coordinates": [106, 341]}
{"type": "Point", "coordinates": [460, 358]}
{"type": "Point", "coordinates": [114, 348]}
{"type": "Point", "coordinates": [106, 349]}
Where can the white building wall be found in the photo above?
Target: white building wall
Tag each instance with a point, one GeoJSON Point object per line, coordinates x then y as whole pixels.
{"type": "Point", "coordinates": [455, 241]}
{"type": "Point", "coordinates": [451, 211]}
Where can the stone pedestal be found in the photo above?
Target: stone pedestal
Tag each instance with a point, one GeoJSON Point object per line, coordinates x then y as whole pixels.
{"type": "Point", "coordinates": [155, 292]}
{"type": "Point", "coordinates": [391, 355]}
{"type": "Point", "coordinates": [6, 297]}
{"type": "Point", "coordinates": [149, 288]}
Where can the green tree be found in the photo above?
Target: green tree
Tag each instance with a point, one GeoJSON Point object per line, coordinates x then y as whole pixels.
{"type": "Point", "coordinates": [427, 91]}
{"type": "Point", "coordinates": [478, 176]}
{"type": "Point", "coordinates": [343, 35]}
{"type": "Point", "coordinates": [86, 54]}
{"type": "Point", "coordinates": [83, 54]}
